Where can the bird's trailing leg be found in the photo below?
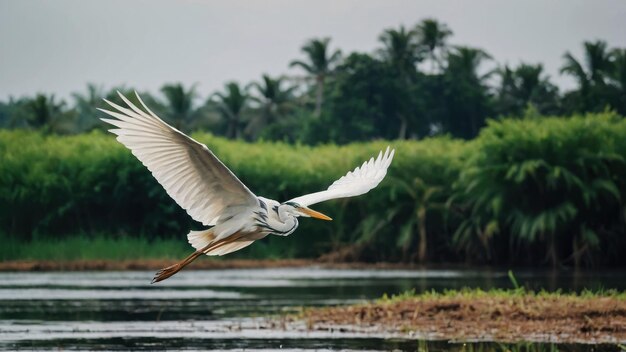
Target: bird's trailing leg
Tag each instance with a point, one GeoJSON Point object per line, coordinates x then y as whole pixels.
{"type": "Point", "coordinates": [173, 269]}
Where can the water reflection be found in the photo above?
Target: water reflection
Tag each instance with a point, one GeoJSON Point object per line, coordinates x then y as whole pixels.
{"type": "Point", "coordinates": [219, 309]}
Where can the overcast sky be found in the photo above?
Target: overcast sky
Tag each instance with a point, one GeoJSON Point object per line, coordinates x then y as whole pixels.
{"type": "Point", "coordinates": [58, 46]}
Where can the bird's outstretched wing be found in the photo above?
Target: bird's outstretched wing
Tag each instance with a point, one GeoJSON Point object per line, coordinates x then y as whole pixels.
{"type": "Point", "coordinates": [359, 181]}
{"type": "Point", "coordinates": [190, 173]}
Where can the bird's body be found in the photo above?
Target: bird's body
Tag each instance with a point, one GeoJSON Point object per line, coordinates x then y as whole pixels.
{"type": "Point", "coordinates": [267, 218]}
{"type": "Point", "coordinates": [211, 194]}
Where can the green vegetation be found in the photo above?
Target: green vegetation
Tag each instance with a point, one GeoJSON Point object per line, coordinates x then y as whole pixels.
{"type": "Point", "coordinates": [533, 191]}
{"type": "Point", "coordinates": [547, 181]}
{"type": "Point", "coordinates": [414, 85]}
{"type": "Point", "coordinates": [92, 247]}
{"type": "Point", "coordinates": [516, 291]}
{"type": "Point", "coordinates": [475, 293]}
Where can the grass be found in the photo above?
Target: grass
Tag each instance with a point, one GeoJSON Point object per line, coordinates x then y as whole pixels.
{"type": "Point", "coordinates": [517, 292]}
{"type": "Point", "coordinates": [82, 247]}
{"type": "Point", "coordinates": [107, 247]}
{"type": "Point", "coordinates": [476, 293]}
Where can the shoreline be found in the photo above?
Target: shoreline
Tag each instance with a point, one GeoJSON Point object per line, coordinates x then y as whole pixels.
{"type": "Point", "coordinates": [473, 315]}
{"type": "Point", "coordinates": [210, 264]}
{"type": "Point", "coordinates": [217, 263]}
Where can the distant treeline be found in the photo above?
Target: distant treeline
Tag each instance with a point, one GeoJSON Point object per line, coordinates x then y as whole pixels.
{"type": "Point", "coordinates": [531, 191]}
{"type": "Point", "coordinates": [413, 86]}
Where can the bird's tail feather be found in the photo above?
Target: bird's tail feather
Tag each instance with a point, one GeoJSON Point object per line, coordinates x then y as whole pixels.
{"type": "Point", "coordinates": [201, 239]}
{"type": "Point", "coordinates": [229, 248]}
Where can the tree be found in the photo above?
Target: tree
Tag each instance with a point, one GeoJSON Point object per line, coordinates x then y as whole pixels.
{"type": "Point", "coordinates": [13, 114]}
{"type": "Point", "coordinates": [369, 98]}
{"type": "Point", "coordinates": [85, 105]}
{"type": "Point", "coordinates": [400, 52]}
{"type": "Point", "coordinates": [399, 49]}
{"type": "Point", "coordinates": [431, 36]}
{"type": "Point", "coordinates": [420, 199]}
{"type": "Point", "coordinates": [524, 86]}
{"type": "Point", "coordinates": [180, 108]}
{"type": "Point", "coordinates": [618, 78]}
{"type": "Point", "coordinates": [365, 94]}
{"type": "Point", "coordinates": [274, 101]}
{"type": "Point", "coordinates": [618, 72]}
{"type": "Point", "coordinates": [45, 113]}
{"type": "Point", "coordinates": [5, 115]}
{"type": "Point", "coordinates": [466, 92]}
{"type": "Point", "coordinates": [230, 104]}
{"type": "Point", "coordinates": [591, 94]}
{"type": "Point", "coordinates": [320, 65]}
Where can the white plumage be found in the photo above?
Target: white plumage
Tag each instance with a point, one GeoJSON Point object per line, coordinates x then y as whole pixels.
{"type": "Point", "coordinates": [359, 181]}
{"type": "Point", "coordinates": [211, 194]}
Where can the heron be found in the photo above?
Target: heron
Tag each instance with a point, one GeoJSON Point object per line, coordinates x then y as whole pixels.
{"type": "Point", "coordinates": [211, 194]}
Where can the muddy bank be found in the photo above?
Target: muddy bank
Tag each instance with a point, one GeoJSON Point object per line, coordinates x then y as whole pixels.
{"type": "Point", "coordinates": [201, 264]}
{"type": "Point", "coordinates": [482, 317]}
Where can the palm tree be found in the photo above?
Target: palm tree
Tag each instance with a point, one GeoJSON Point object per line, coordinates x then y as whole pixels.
{"type": "Point", "coordinates": [528, 79]}
{"type": "Point", "coordinates": [618, 74]}
{"type": "Point", "coordinates": [179, 103]}
{"type": "Point", "coordinates": [468, 61]}
{"type": "Point", "coordinates": [590, 74]}
{"type": "Point", "coordinates": [320, 64]}
{"type": "Point", "coordinates": [86, 105]}
{"type": "Point", "coordinates": [507, 102]}
{"type": "Point", "coordinates": [420, 200]}
{"type": "Point", "coordinates": [523, 86]}
{"type": "Point", "coordinates": [273, 101]}
{"type": "Point", "coordinates": [432, 35]}
{"type": "Point", "coordinates": [618, 78]}
{"type": "Point", "coordinates": [5, 115]}
{"type": "Point", "coordinates": [466, 90]}
{"type": "Point", "coordinates": [47, 114]}
{"type": "Point", "coordinates": [399, 49]}
{"type": "Point", "coordinates": [230, 104]}
{"type": "Point", "coordinates": [15, 114]}
{"type": "Point", "coordinates": [534, 89]}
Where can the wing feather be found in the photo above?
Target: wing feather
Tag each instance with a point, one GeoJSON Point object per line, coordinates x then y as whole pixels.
{"type": "Point", "coordinates": [356, 182]}
{"type": "Point", "coordinates": [188, 171]}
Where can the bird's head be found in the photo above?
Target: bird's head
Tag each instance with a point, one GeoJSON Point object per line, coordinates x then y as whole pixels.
{"type": "Point", "coordinates": [299, 210]}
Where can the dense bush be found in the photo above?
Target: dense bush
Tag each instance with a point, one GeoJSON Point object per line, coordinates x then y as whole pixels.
{"type": "Point", "coordinates": [533, 191]}
{"type": "Point", "coordinates": [542, 188]}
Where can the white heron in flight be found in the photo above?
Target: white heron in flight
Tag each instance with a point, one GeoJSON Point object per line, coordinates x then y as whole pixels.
{"type": "Point", "coordinates": [211, 194]}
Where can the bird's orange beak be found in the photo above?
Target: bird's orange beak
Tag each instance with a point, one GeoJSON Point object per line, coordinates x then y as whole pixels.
{"type": "Point", "coordinates": [314, 214]}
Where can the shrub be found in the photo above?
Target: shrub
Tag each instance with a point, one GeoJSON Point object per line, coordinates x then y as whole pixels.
{"type": "Point", "coordinates": [551, 187]}
{"type": "Point", "coordinates": [51, 186]}
{"type": "Point", "coordinates": [532, 191]}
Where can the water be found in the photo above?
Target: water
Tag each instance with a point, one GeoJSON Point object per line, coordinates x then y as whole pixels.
{"type": "Point", "coordinates": [224, 309]}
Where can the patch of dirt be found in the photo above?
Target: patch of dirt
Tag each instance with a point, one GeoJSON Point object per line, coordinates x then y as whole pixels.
{"type": "Point", "coordinates": [567, 319]}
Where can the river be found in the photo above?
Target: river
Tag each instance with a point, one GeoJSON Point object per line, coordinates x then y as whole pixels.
{"type": "Point", "coordinates": [225, 309]}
